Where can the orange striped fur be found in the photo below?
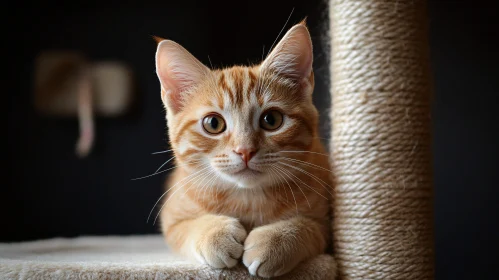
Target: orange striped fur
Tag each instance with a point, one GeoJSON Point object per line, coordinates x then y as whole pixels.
{"type": "Point", "coordinates": [271, 211]}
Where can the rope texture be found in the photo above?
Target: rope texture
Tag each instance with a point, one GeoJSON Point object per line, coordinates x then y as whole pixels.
{"type": "Point", "coordinates": [381, 139]}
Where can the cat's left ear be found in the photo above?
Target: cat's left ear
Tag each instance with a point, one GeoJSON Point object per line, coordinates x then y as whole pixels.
{"type": "Point", "coordinates": [293, 56]}
{"type": "Point", "coordinates": [179, 72]}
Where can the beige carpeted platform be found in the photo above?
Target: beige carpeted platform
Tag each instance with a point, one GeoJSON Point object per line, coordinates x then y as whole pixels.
{"type": "Point", "coordinates": [134, 257]}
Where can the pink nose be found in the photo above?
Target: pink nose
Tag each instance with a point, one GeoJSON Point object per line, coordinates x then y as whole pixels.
{"type": "Point", "coordinates": [245, 153]}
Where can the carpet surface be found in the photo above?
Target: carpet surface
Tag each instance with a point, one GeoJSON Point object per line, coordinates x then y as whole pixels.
{"type": "Point", "coordinates": [133, 257]}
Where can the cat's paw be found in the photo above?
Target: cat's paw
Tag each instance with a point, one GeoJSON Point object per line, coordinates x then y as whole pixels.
{"type": "Point", "coordinates": [269, 252]}
{"type": "Point", "coordinates": [221, 245]}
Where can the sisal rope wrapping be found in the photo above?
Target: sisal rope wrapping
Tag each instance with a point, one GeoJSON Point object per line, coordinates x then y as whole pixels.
{"type": "Point", "coordinates": [380, 139]}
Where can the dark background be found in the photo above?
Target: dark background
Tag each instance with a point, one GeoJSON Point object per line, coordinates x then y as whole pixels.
{"type": "Point", "coordinates": [52, 193]}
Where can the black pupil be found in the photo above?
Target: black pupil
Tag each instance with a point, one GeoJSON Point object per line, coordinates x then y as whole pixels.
{"type": "Point", "coordinates": [269, 118]}
{"type": "Point", "coordinates": [214, 123]}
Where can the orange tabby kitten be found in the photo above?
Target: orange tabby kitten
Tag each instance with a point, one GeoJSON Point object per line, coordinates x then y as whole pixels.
{"type": "Point", "coordinates": [252, 180]}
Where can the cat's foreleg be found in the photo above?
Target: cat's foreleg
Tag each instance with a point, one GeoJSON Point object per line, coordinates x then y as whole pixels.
{"type": "Point", "coordinates": [209, 239]}
{"type": "Point", "coordinates": [275, 249]}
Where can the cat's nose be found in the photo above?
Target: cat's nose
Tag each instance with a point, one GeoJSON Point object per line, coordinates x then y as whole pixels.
{"type": "Point", "coordinates": [246, 153]}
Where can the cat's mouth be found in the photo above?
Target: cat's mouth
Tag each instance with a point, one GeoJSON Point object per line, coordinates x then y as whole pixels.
{"type": "Point", "coordinates": [247, 172]}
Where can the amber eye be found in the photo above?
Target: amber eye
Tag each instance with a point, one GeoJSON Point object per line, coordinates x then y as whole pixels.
{"type": "Point", "coordinates": [214, 124]}
{"type": "Point", "coordinates": [271, 120]}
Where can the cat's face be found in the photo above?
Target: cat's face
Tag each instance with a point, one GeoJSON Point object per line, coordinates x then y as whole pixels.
{"type": "Point", "coordinates": [236, 124]}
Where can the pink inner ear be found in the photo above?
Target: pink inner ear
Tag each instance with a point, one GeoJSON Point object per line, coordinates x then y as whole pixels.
{"type": "Point", "coordinates": [170, 92]}
{"type": "Point", "coordinates": [171, 101]}
{"type": "Point", "coordinates": [293, 55]}
{"type": "Point", "coordinates": [178, 72]}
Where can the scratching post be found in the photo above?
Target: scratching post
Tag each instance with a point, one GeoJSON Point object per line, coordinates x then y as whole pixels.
{"type": "Point", "coordinates": [380, 139]}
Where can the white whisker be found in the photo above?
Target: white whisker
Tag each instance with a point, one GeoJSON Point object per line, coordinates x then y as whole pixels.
{"type": "Point", "coordinates": [287, 174]}
{"type": "Point", "coordinates": [282, 29]}
{"type": "Point", "coordinates": [294, 198]}
{"type": "Point", "coordinates": [164, 164]}
{"type": "Point", "coordinates": [206, 185]}
{"type": "Point", "coordinates": [307, 163]}
{"type": "Point", "coordinates": [319, 180]}
{"type": "Point", "coordinates": [179, 188]}
{"type": "Point", "coordinates": [159, 199]}
{"type": "Point", "coordinates": [195, 183]}
{"type": "Point", "coordinates": [305, 152]}
{"type": "Point", "coordinates": [213, 189]}
{"type": "Point", "coordinates": [274, 178]}
{"type": "Point", "coordinates": [273, 170]}
{"type": "Point", "coordinates": [162, 171]}
{"type": "Point", "coordinates": [211, 65]}
{"type": "Point", "coordinates": [291, 173]}
{"type": "Point", "coordinates": [162, 152]}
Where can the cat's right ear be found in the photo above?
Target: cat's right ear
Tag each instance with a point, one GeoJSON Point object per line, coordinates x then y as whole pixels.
{"type": "Point", "coordinates": [178, 71]}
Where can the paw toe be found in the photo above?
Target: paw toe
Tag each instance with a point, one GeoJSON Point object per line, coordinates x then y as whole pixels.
{"type": "Point", "coordinates": [253, 267]}
{"type": "Point", "coordinates": [216, 263]}
{"type": "Point", "coordinates": [230, 262]}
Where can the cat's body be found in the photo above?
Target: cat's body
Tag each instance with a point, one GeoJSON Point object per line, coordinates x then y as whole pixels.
{"type": "Point", "coordinates": [253, 179]}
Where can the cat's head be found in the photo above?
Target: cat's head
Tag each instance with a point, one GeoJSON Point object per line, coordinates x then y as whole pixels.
{"type": "Point", "coordinates": [238, 123]}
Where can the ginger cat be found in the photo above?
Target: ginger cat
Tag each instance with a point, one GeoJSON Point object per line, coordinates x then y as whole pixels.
{"type": "Point", "coordinates": [253, 179]}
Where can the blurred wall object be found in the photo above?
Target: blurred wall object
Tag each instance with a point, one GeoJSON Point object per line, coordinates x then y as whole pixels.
{"type": "Point", "coordinates": [68, 85]}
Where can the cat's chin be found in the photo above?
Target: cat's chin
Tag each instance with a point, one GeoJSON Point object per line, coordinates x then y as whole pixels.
{"type": "Point", "coordinates": [246, 178]}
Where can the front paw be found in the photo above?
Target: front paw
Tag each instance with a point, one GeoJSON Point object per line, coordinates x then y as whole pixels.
{"type": "Point", "coordinates": [221, 244]}
{"type": "Point", "coordinates": [270, 252]}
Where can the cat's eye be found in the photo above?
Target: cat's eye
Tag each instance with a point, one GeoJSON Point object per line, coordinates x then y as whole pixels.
{"type": "Point", "coordinates": [271, 120]}
{"type": "Point", "coordinates": [214, 124]}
